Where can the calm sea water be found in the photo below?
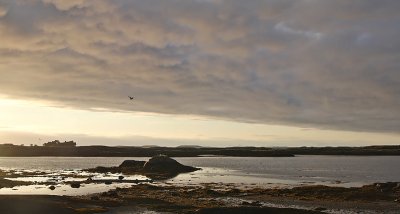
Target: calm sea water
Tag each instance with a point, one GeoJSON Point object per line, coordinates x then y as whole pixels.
{"type": "Point", "coordinates": [335, 170]}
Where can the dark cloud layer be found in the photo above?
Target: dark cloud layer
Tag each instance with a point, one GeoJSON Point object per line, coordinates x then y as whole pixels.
{"type": "Point", "coordinates": [330, 64]}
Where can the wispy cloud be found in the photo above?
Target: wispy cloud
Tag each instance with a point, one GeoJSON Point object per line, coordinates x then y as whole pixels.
{"type": "Point", "coordinates": [330, 64]}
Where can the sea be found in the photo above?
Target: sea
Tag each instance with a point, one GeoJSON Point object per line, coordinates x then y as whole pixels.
{"type": "Point", "coordinates": [275, 172]}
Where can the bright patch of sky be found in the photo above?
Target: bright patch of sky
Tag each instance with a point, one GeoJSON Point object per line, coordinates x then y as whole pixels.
{"type": "Point", "coordinates": [47, 121]}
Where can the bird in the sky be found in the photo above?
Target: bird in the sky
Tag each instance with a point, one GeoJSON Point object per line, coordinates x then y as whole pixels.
{"type": "Point", "coordinates": [131, 98]}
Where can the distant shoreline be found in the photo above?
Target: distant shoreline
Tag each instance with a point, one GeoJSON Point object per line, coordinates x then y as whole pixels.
{"type": "Point", "coordinates": [9, 150]}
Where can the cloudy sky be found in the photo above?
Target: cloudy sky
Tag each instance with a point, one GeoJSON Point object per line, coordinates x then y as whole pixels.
{"type": "Point", "coordinates": [208, 72]}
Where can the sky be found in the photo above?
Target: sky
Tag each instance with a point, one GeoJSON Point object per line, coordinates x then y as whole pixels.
{"type": "Point", "coordinates": [203, 72]}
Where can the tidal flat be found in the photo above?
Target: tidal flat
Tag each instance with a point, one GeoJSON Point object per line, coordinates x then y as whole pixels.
{"type": "Point", "coordinates": [223, 185]}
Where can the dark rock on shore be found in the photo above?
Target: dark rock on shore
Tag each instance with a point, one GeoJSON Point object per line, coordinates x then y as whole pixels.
{"type": "Point", "coordinates": [158, 167]}
{"type": "Point", "coordinates": [163, 163]}
{"type": "Point", "coordinates": [132, 164]}
{"type": "Point", "coordinates": [75, 185]}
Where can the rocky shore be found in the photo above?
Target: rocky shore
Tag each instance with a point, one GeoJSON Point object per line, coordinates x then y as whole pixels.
{"type": "Point", "coordinates": [206, 198]}
{"type": "Point", "coordinates": [5, 183]}
{"type": "Point", "coordinates": [218, 198]}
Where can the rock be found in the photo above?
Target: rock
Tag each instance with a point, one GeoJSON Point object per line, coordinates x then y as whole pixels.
{"type": "Point", "coordinates": [256, 203]}
{"type": "Point", "coordinates": [120, 177]}
{"type": "Point", "coordinates": [320, 209]}
{"type": "Point", "coordinates": [159, 167]}
{"type": "Point", "coordinates": [388, 186]}
{"type": "Point", "coordinates": [234, 191]}
{"type": "Point", "coordinates": [75, 185]}
{"type": "Point", "coordinates": [110, 193]}
{"type": "Point", "coordinates": [245, 203]}
{"type": "Point", "coordinates": [165, 164]}
{"type": "Point", "coordinates": [113, 194]}
{"type": "Point", "coordinates": [253, 203]}
{"type": "Point", "coordinates": [52, 187]}
{"type": "Point", "coordinates": [108, 182]}
{"type": "Point", "coordinates": [132, 164]}
{"type": "Point", "coordinates": [212, 192]}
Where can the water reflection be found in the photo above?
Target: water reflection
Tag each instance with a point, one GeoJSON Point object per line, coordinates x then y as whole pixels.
{"type": "Point", "coordinates": [267, 172]}
{"type": "Point", "coordinates": [61, 189]}
{"type": "Point", "coordinates": [61, 181]}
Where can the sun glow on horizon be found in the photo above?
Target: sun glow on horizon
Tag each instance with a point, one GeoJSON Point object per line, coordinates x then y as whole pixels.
{"type": "Point", "coordinates": [43, 118]}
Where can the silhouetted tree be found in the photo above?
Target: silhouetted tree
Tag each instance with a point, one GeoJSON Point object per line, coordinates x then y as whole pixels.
{"type": "Point", "coordinates": [57, 143]}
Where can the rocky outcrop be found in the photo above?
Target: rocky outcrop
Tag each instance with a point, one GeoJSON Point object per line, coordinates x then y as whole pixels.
{"type": "Point", "coordinates": [132, 164]}
{"type": "Point", "coordinates": [157, 167]}
{"type": "Point", "coordinates": [165, 164]}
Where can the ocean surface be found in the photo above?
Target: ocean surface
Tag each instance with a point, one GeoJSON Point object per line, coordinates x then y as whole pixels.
{"type": "Point", "coordinates": [266, 171]}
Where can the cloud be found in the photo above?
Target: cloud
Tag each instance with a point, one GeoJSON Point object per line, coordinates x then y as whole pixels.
{"type": "Point", "coordinates": [281, 26]}
{"type": "Point", "coordinates": [329, 64]}
{"type": "Point", "coordinates": [3, 11]}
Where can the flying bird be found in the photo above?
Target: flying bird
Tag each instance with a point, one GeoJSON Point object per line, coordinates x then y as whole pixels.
{"type": "Point", "coordinates": [131, 98]}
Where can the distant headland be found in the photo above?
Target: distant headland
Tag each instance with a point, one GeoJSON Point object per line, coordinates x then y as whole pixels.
{"type": "Point", "coordinates": [70, 149]}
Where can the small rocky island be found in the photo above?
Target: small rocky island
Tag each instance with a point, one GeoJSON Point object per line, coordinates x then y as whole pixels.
{"type": "Point", "coordinates": [158, 168]}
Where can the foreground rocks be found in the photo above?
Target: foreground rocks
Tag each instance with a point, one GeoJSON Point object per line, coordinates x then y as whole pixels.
{"type": "Point", "coordinates": [178, 199]}
{"type": "Point", "coordinates": [219, 198]}
{"type": "Point", "coordinates": [22, 204]}
{"type": "Point", "coordinates": [389, 191]}
{"type": "Point", "coordinates": [253, 210]}
{"type": "Point", "coordinates": [158, 167]}
{"type": "Point", "coordinates": [5, 183]}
